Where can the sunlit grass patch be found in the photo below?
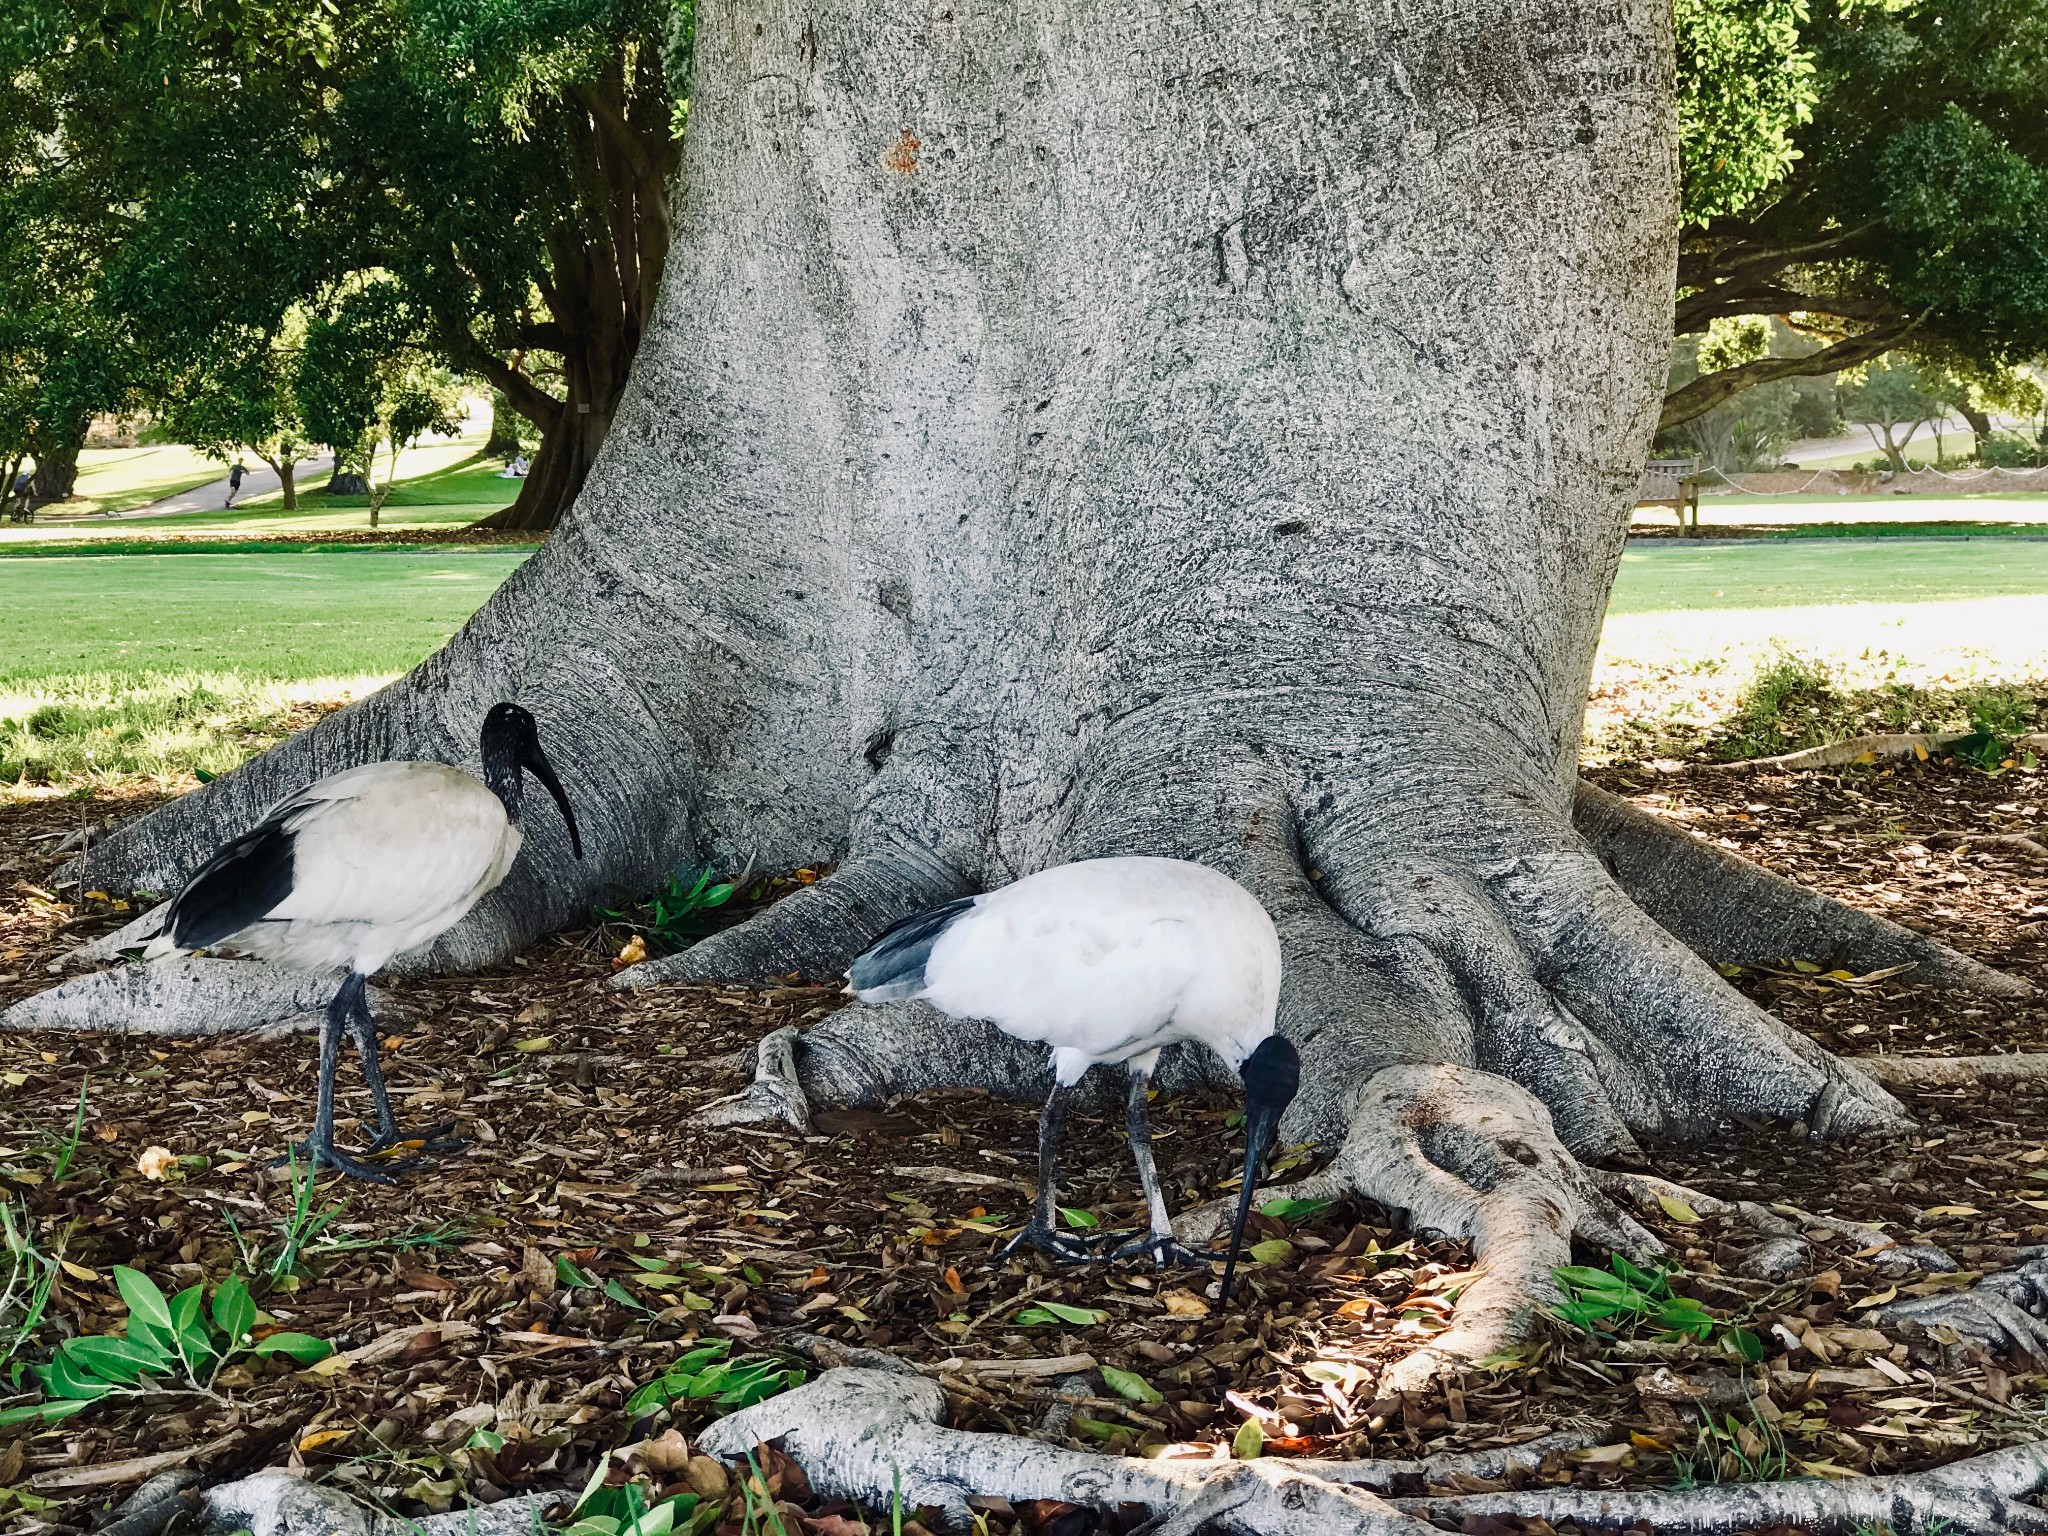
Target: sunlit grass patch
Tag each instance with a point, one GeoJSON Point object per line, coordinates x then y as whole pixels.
{"type": "Point", "coordinates": [97, 728]}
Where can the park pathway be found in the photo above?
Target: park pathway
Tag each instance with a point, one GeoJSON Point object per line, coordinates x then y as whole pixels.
{"type": "Point", "coordinates": [257, 480]}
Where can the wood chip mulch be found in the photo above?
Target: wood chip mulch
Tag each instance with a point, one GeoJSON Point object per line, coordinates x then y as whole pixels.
{"type": "Point", "coordinates": [484, 1367]}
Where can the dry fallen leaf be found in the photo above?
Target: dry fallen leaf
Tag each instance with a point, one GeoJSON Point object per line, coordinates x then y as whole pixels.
{"type": "Point", "coordinates": [634, 952]}
{"type": "Point", "coordinates": [1185, 1304]}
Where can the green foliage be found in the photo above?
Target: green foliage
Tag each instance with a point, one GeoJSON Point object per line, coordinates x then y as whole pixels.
{"type": "Point", "coordinates": [25, 1293]}
{"type": "Point", "coordinates": [1623, 1298]}
{"type": "Point", "coordinates": [1734, 340]}
{"type": "Point", "coordinates": [706, 1375]}
{"type": "Point", "coordinates": [1729, 1449]}
{"type": "Point", "coordinates": [1745, 85]}
{"type": "Point", "coordinates": [243, 397]}
{"type": "Point", "coordinates": [2010, 450]}
{"type": "Point", "coordinates": [1905, 201]}
{"type": "Point", "coordinates": [178, 1337]}
{"type": "Point", "coordinates": [683, 911]}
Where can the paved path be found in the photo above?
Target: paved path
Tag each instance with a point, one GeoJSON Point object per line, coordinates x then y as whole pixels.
{"type": "Point", "coordinates": [257, 479]}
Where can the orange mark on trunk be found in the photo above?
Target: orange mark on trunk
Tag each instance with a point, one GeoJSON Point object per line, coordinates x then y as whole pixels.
{"type": "Point", "coordinates": [902, 156]}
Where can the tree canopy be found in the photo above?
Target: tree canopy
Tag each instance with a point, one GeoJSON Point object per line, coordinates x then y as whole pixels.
{"type": "Point", "coordinates": [1873, 171]}
{"type": "Point", "coordinates": [503, 165]}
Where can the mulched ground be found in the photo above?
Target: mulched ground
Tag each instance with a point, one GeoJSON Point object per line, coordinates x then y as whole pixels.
{"type": "Point", "coordinates": [481, 1364]}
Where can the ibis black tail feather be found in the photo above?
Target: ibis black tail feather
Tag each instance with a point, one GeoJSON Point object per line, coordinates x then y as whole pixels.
{"type": "Point", "coordinates": [237, 887]}
{"type": "Point", "coordinates": [893, 966]}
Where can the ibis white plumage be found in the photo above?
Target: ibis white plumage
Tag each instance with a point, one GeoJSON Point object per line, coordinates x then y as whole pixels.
{"type": "Point", "coordinates": [356, 869]}
{"type": "Point", "coordinates": [1108, 961]}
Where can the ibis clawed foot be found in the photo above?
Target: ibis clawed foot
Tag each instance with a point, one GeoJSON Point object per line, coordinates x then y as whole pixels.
{"type": "Point", "coordinates": [349, 1013]}
{"type": "Point", "coordinates": [1042, 1232]}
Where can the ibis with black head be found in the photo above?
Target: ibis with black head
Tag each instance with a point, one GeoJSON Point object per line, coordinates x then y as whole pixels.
{"type": "Point", "coordinates": [1108, 961]}
{"type": "Point", "coordinates": [356, 869]}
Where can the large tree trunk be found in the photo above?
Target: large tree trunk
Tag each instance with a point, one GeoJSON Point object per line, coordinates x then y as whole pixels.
{"type": "Point", "coordinates": [1066, 431]}
{"type": "Point", "coordinates": [604, 278]}
{"type": "Point", "coordinates": [56, 449]}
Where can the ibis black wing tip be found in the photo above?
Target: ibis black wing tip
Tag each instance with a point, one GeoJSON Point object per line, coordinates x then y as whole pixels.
{"type": "Point", "coordinates": [893, 966]}
{"type": "Point", "coordinates": [236, 888]}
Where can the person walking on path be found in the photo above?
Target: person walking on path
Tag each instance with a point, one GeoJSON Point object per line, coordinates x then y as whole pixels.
{"type": "Point", "coordinates": [234, 483]}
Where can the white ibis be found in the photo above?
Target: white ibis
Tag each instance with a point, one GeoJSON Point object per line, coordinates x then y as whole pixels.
{"type": "Point", "coordinates": [1108, 960]}
{"type": "Point", "coordinates": [356, 869]}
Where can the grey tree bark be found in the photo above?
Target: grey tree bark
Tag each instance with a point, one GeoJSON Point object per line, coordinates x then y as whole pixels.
{"type": "Point", "coordinates": [1072, 429]}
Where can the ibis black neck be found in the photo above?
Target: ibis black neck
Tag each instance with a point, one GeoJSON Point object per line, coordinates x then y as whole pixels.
{"type": "Point", "coordinates": [510, 748]}
{"type": "Point", "coordinates": [503, 768]}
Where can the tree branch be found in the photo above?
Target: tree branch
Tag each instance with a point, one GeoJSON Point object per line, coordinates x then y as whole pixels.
{"type": "Point", "coordinates": [1710, 389]}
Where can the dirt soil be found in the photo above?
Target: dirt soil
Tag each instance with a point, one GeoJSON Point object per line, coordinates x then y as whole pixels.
{"type": "Point", "coordinates": [507, 1299]}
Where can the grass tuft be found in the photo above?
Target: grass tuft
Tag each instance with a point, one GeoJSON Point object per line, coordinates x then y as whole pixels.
{"type": "Point", "coordinates": [95, 728]}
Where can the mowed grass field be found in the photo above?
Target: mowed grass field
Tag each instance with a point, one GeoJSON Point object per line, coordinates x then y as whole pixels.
{"type": "Point", "coordinates": [163, 665]}
{"type": "Point", "coordinates": [160, 663]}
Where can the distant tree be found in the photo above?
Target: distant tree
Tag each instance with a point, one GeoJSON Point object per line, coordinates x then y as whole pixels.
{"type": "Point", "coordinates": [1892, 401]}
{"type": "Point", "coordinates": [415, 398]}
{"type": "Point", "coordinates": [1876, 174]}
{"type": "Point", "coordinates": [506, 163]}
{"type": "Point", "coordinates": [245, 400]}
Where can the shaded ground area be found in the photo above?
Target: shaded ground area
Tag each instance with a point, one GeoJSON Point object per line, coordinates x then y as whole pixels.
{"type": "Point", "coordinates": [499, 1309]}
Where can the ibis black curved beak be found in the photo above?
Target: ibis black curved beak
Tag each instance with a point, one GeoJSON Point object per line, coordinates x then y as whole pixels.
{"type": "Point", "coordinates": [535, 762]}
{"type": "Point", "coordinates": [1272, 1076]}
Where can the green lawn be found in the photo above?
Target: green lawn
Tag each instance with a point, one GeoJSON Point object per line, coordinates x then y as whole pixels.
{"type": "Point", "coordinates": [1676, 576]}
{"type": "Point", "coordinates": [320, 612]}
{"type": "Point", "coordinates": [166, 664]}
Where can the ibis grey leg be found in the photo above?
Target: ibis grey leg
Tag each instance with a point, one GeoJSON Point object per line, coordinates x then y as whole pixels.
{"type": "Point", "coordinates": [1159, 1242]}
{"type": "Point", "coordinates": [319, 1147]}
{"type": "Point", "coordinates": [1043, 1231]}
{"type": "Point", "coordinates": [364, 1028]}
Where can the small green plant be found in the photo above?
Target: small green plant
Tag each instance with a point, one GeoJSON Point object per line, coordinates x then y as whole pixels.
{"type": "Point", "coordinates": [1997, 721]}
{"type": "Point", "coordinates": [304, 1232]}
{"type": "Point", "coordinates": [682, 912]}
{"type": "Point", "coordinates": [67, 1149]}
{"type": "Point", "coordinates": [624, 1510]}
{"type": "Point", "coordinates": [1729, 1450]}
{"type": "Point", "coordinates": [706, 1374]}
{"type": "Point", "coordinates": [25, 1295]}
{"type": "Point", "coordinates": [1623, 1299]}
{"type": "Point", "coordinates": [1781, 706]}
{"type": "Point", "coordinates": [179, 1337]}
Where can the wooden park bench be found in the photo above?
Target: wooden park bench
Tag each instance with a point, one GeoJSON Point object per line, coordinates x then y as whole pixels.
{"type": "Point", "coordinates": [1673, 483]}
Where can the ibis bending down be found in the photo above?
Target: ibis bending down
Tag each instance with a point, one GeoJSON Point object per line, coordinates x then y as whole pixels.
{"type": "Point", "coordinates": [1108, 960]}
{"type": "Point", "coordinates": [358, 868]}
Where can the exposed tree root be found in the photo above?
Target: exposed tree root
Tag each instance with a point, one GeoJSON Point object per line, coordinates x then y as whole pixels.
{"type": "Point", "coordinates": [1839, 754]}
{"type": "Point", "coordinates": [816, 930]}
{"type": "Point", "coordinates": [865, 1434]}
{"type": "Point", "coordinates": [1725, 908]}
{"type": "Point", "coordinates": [2004, 1310]}
{"type": "Point", "coordinates": [1977, 1497]}
{"type": "Point", "coordinates": [279, 1504]}
{"type": "Point", "coordinates": [2017, 842]}
{"type": "Point", "coordinates": [1857, 749]}
{"type": "Point", "coordinates": [1953, 1071]}
{"type": "Point", "coordinates": [862, 1434]}
{"type": "Point", "coordinates": [185, 996]}
{"type": "Point", "coordinates": [1785, 1249]}
{"type": "Point", "coordinates": [1474, 1157]}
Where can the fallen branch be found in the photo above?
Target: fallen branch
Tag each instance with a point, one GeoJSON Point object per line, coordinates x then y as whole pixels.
{"type": "Point", "coordinates": [1953, 1071]}
{"type": "Point", "coordinates": [1857, 749]}
{"type": "Point", "coordinates": [1977, 1497]}
{"type": "Point", "coordinates": [865, 1434]}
